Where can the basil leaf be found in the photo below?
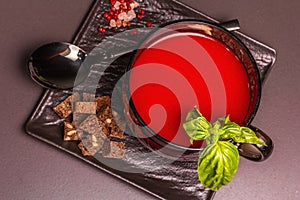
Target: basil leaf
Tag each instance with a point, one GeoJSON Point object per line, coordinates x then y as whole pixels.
{"type": "Point", "coordinates": [193, 114]}
{"type": "Point", "coordinates": [213, 133]}
{"type": "Point", "coordinates": [196, 126]}
{"type": "Point", "coordinates": [219, 161]}
{"type": "Point", "coordinates": [218, 164]}
{"type": "Point", "coordinates": [239, 134]}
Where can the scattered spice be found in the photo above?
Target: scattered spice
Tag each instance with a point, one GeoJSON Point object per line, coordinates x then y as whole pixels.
{"type": "Point", "coordinates": [149, 24]}
{"type": "Point", "coordinates": [101, 30]}
{"type": "Point", "coordinates": [139, 16]}
{"type": "Point", "coordinates": [141, 12]}
{"type": "Point", "coordinates": [121, 13]}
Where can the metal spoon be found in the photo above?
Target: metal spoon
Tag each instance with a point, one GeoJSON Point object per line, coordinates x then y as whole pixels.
{"type": "Point", "coordinates": [56, 65]}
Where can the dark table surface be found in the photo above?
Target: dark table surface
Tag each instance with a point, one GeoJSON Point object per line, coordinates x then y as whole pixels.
{"type": "Point", "coordinates": [31, 169]}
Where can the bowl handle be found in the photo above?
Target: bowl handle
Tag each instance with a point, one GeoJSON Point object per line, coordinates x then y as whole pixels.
{"type": "Point", "coordinates": [256, 152]}
{"type": "Point", "coordinates": [232, 25]}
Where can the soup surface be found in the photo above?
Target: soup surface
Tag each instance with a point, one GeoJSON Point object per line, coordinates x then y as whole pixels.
{"type": "Point", "coordinates": [182, 70]}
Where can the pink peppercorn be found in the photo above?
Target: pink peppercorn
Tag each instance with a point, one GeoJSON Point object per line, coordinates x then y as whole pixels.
{"type": "Point", "coordinates": [105, 15]}
{"type": "Point", "coordinates": [108, 18]}
{"type": "Point", "coordinates": [113, 9]}
{"type": "Point", "coordinates": [149, 24]}
{"type": "Point", "coordinates": [139, 16]}
{"type": "Point", "coordinates": [115, 17]}
{"type": "Point", "coordinates": [101, 30]}
{"type": "Point", "coordinates": [141, 12]}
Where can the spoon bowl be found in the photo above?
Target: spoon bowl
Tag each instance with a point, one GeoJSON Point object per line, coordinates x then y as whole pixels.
{"type": "Point", "coordinates": [56, 65]}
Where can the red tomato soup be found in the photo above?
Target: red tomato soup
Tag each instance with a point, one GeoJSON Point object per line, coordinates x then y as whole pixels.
{"type": "Point", "coordinates": [182, 70]}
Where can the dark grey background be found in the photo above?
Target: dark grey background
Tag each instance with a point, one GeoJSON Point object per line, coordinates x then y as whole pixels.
{"type": "Point", "coordinates": [31, 169]}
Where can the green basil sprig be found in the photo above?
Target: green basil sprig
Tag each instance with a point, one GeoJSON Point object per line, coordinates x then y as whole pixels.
{"type": "Point", "coordinates": [219, 160]}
